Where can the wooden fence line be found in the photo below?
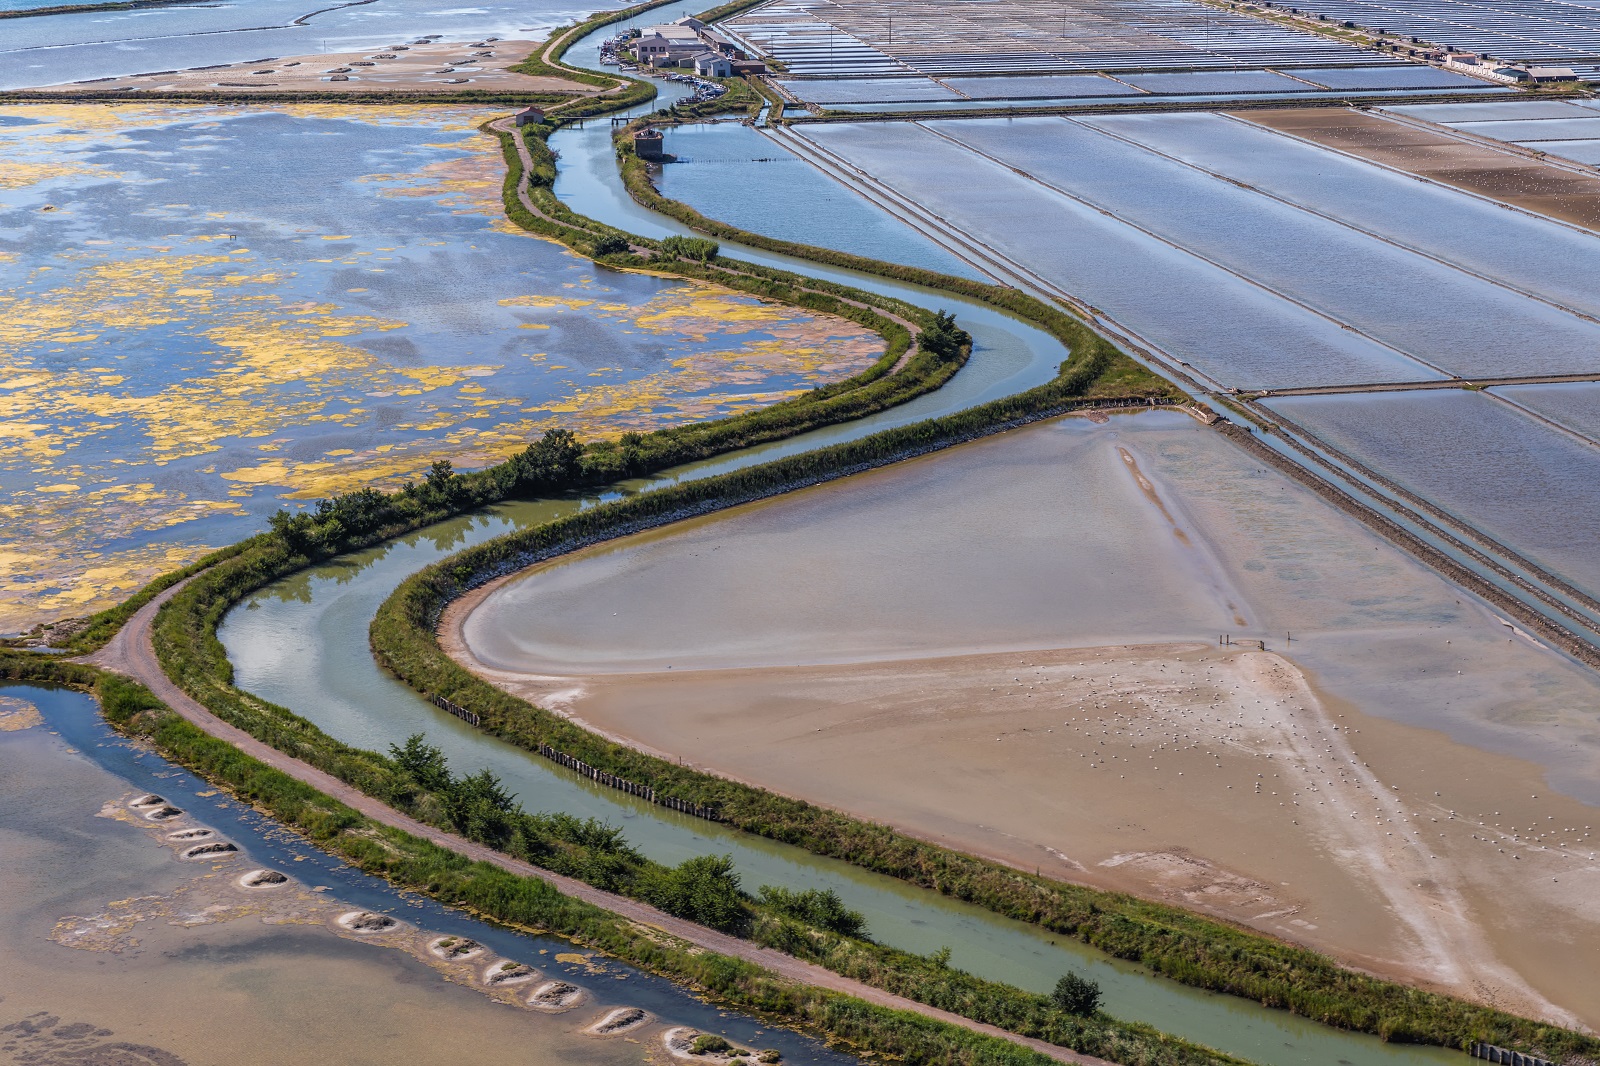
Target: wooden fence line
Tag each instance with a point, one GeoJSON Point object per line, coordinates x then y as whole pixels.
{"type": "Point", "coordinates": [1506, 1056]}
{"type": "Point", "coordinates": [602, 777]}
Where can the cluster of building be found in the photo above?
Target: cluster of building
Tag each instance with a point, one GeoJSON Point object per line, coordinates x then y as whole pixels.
{"type": "Point", "coordinates": [689, 43]}
{"type": "Point", "coordinates": [1484, 67]}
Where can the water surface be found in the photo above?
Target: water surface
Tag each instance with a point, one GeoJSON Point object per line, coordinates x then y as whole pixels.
{"type": "Point", "coordinates": [1525, 484]}
{"type": "Point", "coordinates": [51, 49]}
{"type": "Point", "coordinates": [734, 174]}
{"type": "Point", "coordinates": [210, 311]}
{"type": "Point", "coordinates": [107, 943]}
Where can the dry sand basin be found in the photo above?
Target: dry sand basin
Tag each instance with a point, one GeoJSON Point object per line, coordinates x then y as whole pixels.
{"type": "Point", "coordinates": [1270, 787]}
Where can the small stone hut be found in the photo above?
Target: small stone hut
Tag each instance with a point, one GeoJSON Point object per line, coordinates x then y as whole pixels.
{"type": "Point", "coordinates": [647, 143]}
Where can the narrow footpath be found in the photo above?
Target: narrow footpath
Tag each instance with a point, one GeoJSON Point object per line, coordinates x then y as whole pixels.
{"type": "Point", "coordinates": [132, 653]}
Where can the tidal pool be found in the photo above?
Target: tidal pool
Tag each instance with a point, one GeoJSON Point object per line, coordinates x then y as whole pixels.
{"type": "Point", "coordinates": [207, 312]}
{"type": "Point", "coordinates": [117, 950]}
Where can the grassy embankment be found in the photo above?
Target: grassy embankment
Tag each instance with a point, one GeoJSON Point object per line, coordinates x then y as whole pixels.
{"type": "Point", "coordinates": [80, 9]}
{"type": "Point", "coordinates": [524, 903]}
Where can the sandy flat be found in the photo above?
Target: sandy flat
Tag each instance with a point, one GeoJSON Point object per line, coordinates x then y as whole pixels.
{"type": "Point", "coordinates": [1450, 160]}
{"type": "Point", "coordinates": [434, 66]}
{"type": "Point", "coordinates": [1367, 788]}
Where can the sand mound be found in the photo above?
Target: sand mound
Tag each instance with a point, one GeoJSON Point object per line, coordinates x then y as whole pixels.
{"type": "Point", "coordinates": [620, 1020]}
{"type": "Point", "coordinates": [189, 834]}
{"type": "Point", "coordinates": [680, 1044]}
{"type": "Point", "coordinates": [209, 851]}
{"type": "Point", "coordinates": [149, 799]}
{"type": "Point", "coordinates": [262, 879]}
{"type": "Point", "coordinates": [453, 948]}
{"type": "Point", "coordinates": [506, 972]}
{"type": "Point", "coordinates": [555, 996]}
{"type": "Point", "coordinates": [164, 813]}
{"type": "Point", "coordinates": [367, 922]}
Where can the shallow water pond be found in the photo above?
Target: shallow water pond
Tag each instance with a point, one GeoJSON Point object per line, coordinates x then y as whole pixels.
{"type": "Point", "coordinates": [205, 312]}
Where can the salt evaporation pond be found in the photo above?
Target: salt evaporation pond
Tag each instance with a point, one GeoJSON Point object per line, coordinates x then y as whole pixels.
{"type": "Point", "coordinates": [76, 46]}
{"type": "Point", "coordinates": [208, 312]}
{"type": "Point", "coordinates": [1253, 290]}
{"type": "Point", "coordinates": [1525, 484]}
{"type": "Point", "coordinates": [729, 171]}
{"type": "Point", "coordinates": [1574, 405]}
{"type": "Point", "coordinates": [117, 951]}
{"type": "Point", "coordinates": [1518, 249]}
{"type": "Point", "coordinates": [1223, 324]}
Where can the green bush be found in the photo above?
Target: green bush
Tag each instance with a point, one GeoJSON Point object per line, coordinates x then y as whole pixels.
{"type": "Point", "coordinates": [1076, 995]}
{"type": "Point", "coordinates": [823, 909]}
{"type": "Point", "coordinates": [703, 889]}
{"type": "Point", "coordinates": [690, 248]}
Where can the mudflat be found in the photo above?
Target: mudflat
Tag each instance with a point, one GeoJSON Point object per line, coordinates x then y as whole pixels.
{"type": "Point", "coordinates": [1375, 782]}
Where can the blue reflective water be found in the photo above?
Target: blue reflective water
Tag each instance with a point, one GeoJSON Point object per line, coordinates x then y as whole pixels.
{"type": "Point", "coordinates": [214, 312]}
{"type": "Point", "coordinates": [50, 49]}
{"type": "Point", "coordinates": [732, 173]}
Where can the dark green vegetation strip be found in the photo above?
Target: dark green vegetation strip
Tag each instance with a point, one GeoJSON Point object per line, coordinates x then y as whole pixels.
{"type": "Point", "coordinates": [79, 9]}
{"type": "Point", "coordinates": [526, 904]}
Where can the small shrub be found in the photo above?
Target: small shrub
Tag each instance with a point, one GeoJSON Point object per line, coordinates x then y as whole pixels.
{"type": "Point", "coordinates": [1076, 995]}
{"type": "Point", "coordinates": [709, 1044]}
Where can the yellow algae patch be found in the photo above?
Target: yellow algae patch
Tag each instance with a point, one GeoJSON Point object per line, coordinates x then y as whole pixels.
{"type": "Point", "coordinates": [562, 303]}
{"type": "Point", "coordinates": [17, 713]}
{"type": "Point", "coordinates": [266, 390]}
{"type": "Point", "coordinates": [55, 581]}
{"type": "Point", "coordinates": [18, 174]}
